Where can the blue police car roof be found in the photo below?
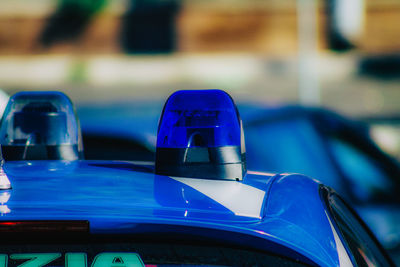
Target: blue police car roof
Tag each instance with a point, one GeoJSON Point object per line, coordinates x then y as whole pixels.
{"type": "Point", "coordinates": [115, 196]}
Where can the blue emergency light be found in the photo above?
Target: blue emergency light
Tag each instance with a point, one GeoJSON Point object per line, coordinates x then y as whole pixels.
{"type": "Point", "coordinates": [200, 135]}
{"type": "Point", "coordinates": [40, 126]}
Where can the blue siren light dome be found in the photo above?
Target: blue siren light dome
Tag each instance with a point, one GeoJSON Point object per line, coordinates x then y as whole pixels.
{"type": "Point", "coordinates": [200, 135]}
{"type": "Point", "coordinates": [40, 126]}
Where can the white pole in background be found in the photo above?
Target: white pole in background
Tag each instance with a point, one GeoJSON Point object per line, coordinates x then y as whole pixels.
{"type": "Point", "coordinates": [308, 82]}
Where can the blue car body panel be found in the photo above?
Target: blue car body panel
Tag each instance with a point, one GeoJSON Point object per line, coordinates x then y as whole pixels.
{"type": "Point", "coordinates": [116, 196]}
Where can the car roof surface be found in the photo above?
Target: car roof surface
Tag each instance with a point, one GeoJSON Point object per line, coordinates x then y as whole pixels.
{"type": "Point", "coordinates": [115, 196]}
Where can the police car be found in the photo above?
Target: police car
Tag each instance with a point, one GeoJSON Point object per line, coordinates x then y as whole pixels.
{"type": "Point", "coordinates": [316, 142]}
{"type": "Point", "coordinates": [198, 205]}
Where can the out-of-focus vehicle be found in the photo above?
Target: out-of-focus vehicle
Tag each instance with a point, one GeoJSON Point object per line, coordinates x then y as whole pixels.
{"type": "Point", "coordinates": [324, 143]}
{"type": "Point", "coordinates": [319, 143]}
{"type": "Point", "coordinates": [113, 213]}
{"type": "Point", "coordinates": [121, 131]}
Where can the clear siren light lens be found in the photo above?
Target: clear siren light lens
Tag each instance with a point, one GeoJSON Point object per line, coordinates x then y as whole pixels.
{"type": "Point", "coordinates": [40, 125]}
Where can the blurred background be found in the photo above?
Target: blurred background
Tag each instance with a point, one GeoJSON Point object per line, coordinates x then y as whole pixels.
{"type": "Point", "coordinates": [335, 53]}
{"type": "Point", "coordinates": [341, 55]}
{"type": "Point", "coordinates": [344, 55]}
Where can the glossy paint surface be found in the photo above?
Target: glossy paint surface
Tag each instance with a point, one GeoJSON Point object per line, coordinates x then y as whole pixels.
{"type": "Point", "coordinates": [117, 196]}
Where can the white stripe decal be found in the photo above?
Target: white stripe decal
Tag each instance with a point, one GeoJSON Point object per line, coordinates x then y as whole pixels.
{"type": "Point", "coordinates": [4, 182]}
{"type": "Point", "coordinates": [344, 260]}
{"type": "Point", "coordinates": [241, 199]}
